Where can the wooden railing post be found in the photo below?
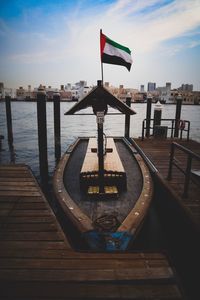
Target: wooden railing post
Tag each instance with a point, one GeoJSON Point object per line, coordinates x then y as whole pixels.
{"type": "Point", "coordinates": [187, 176]}
{"type": "Point", "coordinates": [42, 135]}
{"type": "Point", "coordinates": [9, 120]}
{"type": "Point", "coordinates": [169, 176]}
{"type": "Point", "coordinates": [127, 119]}
{"type": "Point", "coordinates": [57, 140]}
{"type": "Point", "coordinates": [157, 115]}
{"type": "Point", "coordinates": [148, 116]}
{"type": "Point", "coordinates": [178, 115]}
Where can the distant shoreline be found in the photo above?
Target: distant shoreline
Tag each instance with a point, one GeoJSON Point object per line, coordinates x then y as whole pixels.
{"type": "Point", "coordinates": [66, 101]}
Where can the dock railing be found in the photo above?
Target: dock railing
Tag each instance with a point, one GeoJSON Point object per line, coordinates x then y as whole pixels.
{"type": "Point", "coordinates": [188, 172]}
{"type": "Point", "coordinates": [169, 125]}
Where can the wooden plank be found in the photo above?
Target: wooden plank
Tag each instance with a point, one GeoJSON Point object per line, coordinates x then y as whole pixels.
{"type": "Point", "coordinates": [112, 160]}
{"type": "Point", "coordinates": [22, 199]}
{"type": "Point", "coordinates": [18, 179]}
{"type": "Point", "coordinates": [26, 213]}
{"type": "Point", "coordinates": [19, 205]}
{"type": "Point", "coordinates": [90, 275]}
{"type": "Point", "coordinates": [20, 174]}
{"type": "Point", "coordinates": [93, 291]}
{"type": "Point", "coordinates": [26, 220]}
{"type": "Point", "coordinates": [18, 188]}
{"type": "Point", "coordinates": [86, 264]}
{"type": "Point", "coordinates": [31, 236]}
{"type": "Point", "coordinates": [20, 167]}
{"type": "Point", "coordinates": [19, 193]}
{"type": "Point", "coordinates": [16, 184]}
{"type": "Point", "coordinates": [33, 245]}
{"type": "Point", "coordinates": [52, 253]}
{"type": "Point", "coordinates": [35, 227]}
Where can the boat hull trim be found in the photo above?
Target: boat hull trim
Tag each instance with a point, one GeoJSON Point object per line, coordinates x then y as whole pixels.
{"type": "Point", "coordinates": [122, 215]}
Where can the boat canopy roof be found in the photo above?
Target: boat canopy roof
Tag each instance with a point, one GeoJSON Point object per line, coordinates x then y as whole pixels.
{"type": "Point", "coordinates": [98, 99]}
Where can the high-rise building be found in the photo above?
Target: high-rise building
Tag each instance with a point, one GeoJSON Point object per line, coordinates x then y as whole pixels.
{"type": "Point", "coordinates": [1, 90]}
{"type": "Point", "coordinates": [168, 85]}
{"type": "Point", "coordinates": [151, 86]}
{"type": "Point", "coordinates": [142, 88]}
{"type": "Point", "coordinates": [68, 86]}
{"type": "Point", "coordinates": [106, 84]}
{"type": "Point", "coordinates": [1, 86]}
{"type": "Point", "coordinates": [186, 87]}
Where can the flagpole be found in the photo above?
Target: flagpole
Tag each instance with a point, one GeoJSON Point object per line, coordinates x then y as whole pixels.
{"type": "Point", "coordinates": [101, 58]}
{"type": "Point", "coordinates": [102, 72]}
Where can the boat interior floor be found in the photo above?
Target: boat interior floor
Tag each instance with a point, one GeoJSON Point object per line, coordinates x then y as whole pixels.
{"type": "Point", "coordinates": [118, 207]}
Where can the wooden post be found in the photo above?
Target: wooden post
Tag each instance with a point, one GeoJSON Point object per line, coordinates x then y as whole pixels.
{"type": "Point", "coordinates": [127, 119]}
{"type": "Point", "coordinates": [100, 108]}
{"type": "Point", "coordinates": [157, 115]}
{"type": "Point", "coordinates": [9, 121]}
{"type": "Point", "coordinates": [57, 141]}
{"type": "Point", "coordinates": [42, 135]}
{"type": "Point", "coordinates": [178, 115]}
{"type": "Point", "coordinates": [1, 138]}
{"type": "Point", "coordinates": [148, 116]}
{"type": "Point", "coordinates": [100, 158]}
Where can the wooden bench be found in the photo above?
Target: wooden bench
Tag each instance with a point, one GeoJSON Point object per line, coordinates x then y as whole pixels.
{"type": "Point", "coordinates": [114, 173]}
{"type": "Point", "coordinates": [196, 175]}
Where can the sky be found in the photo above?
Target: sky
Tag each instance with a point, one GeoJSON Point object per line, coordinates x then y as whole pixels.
{"type": "Point", "coordinates": [57, 42]}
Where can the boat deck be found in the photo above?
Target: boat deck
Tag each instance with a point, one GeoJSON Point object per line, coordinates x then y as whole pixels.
{"type": "Point", "coordinates": [37, 261]}
{"type": "Point", "coordinates": [119, 206]}
{"type": "Point", "coordinates": [159, 153]}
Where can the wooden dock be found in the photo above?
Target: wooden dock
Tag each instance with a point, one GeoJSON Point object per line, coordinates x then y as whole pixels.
{"type": "Point", "coordinates": [158, 151]}
{"type": "Point", "coordinates": [37, 261]}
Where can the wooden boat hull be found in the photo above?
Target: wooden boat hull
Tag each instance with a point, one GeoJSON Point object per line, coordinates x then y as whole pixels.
{"type": "Point", "coordinates": [128, 209]}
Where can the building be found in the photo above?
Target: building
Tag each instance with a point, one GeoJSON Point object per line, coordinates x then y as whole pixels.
{"type": "Point", "coordinates": [1, 90]}
{"type": "Point", "coordinates": [186, 87]}
{"type": "Point", "coordinates": [140, 97]}
{"type": "Point", "coordinates": [106, 84]}
{"type": "Point", "coordinates": [80, 90]}
{"type": "Point", "coordinates": [142, 88]}
{"type": "Point", "coordinates": [151, 86]}
{"type": "Point", "coordinates": [164, 95]}
{"type": "Point", "coordinates": [20, 93]}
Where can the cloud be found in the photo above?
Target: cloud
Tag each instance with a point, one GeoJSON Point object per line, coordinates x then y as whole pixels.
{"type": "Point", "coordinates": [70, 36]}
{"type": "Point", "coordinates": [132, 22]}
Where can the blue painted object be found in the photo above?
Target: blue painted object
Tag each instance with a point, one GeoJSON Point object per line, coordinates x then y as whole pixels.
{"type": "Point", "coordinates": [108, 241]}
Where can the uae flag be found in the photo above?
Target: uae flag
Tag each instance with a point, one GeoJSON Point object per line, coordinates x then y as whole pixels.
{"type": "Point", "coordinates": [114, 53]}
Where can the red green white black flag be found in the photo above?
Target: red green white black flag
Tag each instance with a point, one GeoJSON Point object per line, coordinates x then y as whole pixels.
{"type": "Point", "coordinates": [114, 53]}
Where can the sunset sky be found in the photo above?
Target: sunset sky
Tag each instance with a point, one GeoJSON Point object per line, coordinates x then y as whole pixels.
{"type": "Point", "coordinates": [56, 42]}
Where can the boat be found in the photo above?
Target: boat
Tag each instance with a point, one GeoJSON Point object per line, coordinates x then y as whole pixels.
{"type": "Point", "coordinates": [102, 183]}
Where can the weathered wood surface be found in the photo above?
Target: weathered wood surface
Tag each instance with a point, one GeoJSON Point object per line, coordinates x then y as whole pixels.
{"type": "Point", "coordinates": [37, 262]}
{"type": "Point", "coordinates": [112, 160]}
{"type": "Point", "coordinates": [158, 151]}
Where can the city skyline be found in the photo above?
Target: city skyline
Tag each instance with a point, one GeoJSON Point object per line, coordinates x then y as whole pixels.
{"type": "Point", "coordinates": [54, 43]}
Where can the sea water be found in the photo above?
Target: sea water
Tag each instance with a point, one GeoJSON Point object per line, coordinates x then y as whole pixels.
{"type": "Point", "coordinates": [25, 134]}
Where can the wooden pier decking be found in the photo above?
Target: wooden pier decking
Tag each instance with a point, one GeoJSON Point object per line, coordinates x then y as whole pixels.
{"type": "Point", "coordinates": [37, 261]}
{"type": "Point", "coordinates": [158, 151]}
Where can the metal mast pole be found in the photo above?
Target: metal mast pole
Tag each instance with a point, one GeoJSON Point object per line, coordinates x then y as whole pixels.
{"type": "Point", "coordinates": [101, 58]}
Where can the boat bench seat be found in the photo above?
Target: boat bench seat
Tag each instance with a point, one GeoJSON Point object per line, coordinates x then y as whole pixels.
{"type": "Point", "coordinates": [196, 175]}
{"type": "Point", "coordinates": [114, 173]}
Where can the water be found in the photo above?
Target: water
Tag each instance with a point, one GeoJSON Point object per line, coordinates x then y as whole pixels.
{"type": "Point", "coordinates": [24, 116]}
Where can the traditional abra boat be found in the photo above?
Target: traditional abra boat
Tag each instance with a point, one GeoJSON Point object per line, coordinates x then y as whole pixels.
{"type": "Point", "coordinates": [102, 184]}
